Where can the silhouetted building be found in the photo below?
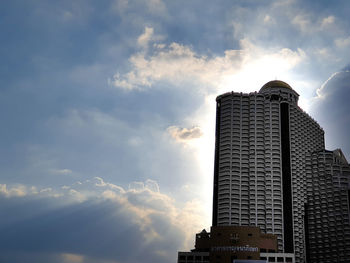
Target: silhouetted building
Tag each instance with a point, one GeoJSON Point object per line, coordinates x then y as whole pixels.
{"type": "Point", "coordinates": [272, 172]}
{"type": "Point", "coordinates": [265, 144]}
{"type": "Point", "coordinates": [327, 208]}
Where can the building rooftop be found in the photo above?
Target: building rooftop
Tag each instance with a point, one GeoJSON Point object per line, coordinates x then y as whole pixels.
{"type": "Point", "coordinates": [276, 84]}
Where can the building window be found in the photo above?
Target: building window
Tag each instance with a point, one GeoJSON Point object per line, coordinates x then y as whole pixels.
{"type": "Point", "coordinates": [272, 251]}
{"type": "Point", "coordinates": [249, 257]}
{"type": "Point", "coordinates": [249, 235]}
{"type": "Point", "coordinates": [262, 250]}
{"type": "Point", "coordinates": [272, 259]}
{"type": "Point", "coordinates": [274, 97]}
{"type": "Point", "coordinates": [198, 258]}
{"type": "Point", "coordinates": [289, 260]}
{"type": "Point", "coordinates": [263, 258]}
{"type": "Point", "coordinates": [279, 259]}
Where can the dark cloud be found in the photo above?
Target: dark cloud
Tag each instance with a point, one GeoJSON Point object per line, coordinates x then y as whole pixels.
{"type": "Point", "coordinates": [332, 110]}
{"type": "Point", "coordinates": [64, 122]}
{"type": "Point", "coordinates": [105, 223]}
{"type": "Point", "coordinates": [346, 68]}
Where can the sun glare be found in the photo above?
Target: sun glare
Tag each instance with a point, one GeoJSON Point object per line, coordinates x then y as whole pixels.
{"type": "Point", "coordinates": [256, 72]}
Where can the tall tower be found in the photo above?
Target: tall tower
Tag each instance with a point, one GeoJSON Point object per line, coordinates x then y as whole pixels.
{"type": "Point", "coordinates": [262, 140]}
{"type": "Point", "coordinates": [327, 211]}
{"type": "Point", "coordinates": [273, 174]}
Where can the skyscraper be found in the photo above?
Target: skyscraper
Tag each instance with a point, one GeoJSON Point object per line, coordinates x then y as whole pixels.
{"type": "Point", "coordinates": [327, 229]}
{"type": "Point", "coordinates": [269, 156]}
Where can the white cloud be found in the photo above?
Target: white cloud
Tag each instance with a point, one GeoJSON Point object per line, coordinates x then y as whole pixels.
{"type": "Point", "coordinates": [310, 24]}
{"type": "Point", "coordinates": [72, 258]}
{"type": "Point", "coordinates": [302, 22]}
{"type": "Point", "coordinates": [17, 190]}
{"type": "Point", "coordinates": [62, 171]}
{"type": "Point", "coordinates": [184, 134]}
{"type": "Point", "coordinates": [174, 63]}
{"type": "Point", "coordinates": [342, 42]}
{"type": "Point", "coordinates": [268, 19]}
{"type": "Point", "coordinates": [152, 185]}
{"type": "Point", "coordinates": [145, 37]}
{"type": "Point", "coordinates": [48, 189]}
{"type": "Point", "coordinates": [109, 194]}
{"type": "Point", "coordinates": [20, 190]}
{"type": "Point", "coordinates": [101, 183]}
{"type": "Point", "coordinates": [321, 94]}
{"type": "Point", "coordinates": [77, 196]}
{"type": "Point", "coordinates": [179, 65]}
{"type": "Point", "coordinates": [327, 21]}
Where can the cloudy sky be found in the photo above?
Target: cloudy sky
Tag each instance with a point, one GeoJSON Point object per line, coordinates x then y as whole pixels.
{"type": "Point", "coordinates": [108, 113]}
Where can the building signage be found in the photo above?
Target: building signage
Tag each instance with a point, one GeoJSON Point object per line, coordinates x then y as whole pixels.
{"type": "Point", "coordinates": [235, 249]}
{"type": "Point", "coordinates": [249, 261]}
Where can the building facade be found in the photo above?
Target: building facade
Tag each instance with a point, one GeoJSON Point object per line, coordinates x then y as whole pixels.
{"type": "Point", "coordinates": [327, 209]}
{"type": "Point", "coordinates": [233, 244]}
{"type": "Point", "coordinates": [264, 149]}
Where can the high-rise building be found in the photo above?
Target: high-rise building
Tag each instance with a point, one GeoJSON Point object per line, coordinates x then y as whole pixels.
{"type": "Point", "coordinates": [272, 171]}
{"type": "Point", "coordinates": [327, 208]}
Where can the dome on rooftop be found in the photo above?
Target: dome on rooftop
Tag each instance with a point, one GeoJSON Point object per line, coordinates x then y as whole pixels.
{"type": "Point", "coordinates": [279, 90]}
{"type": "Point", "coordinates": [276, 84]}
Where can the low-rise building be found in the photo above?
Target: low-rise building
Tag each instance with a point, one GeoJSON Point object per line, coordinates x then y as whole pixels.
{"type": "Point", "coordinates": [234, 244]}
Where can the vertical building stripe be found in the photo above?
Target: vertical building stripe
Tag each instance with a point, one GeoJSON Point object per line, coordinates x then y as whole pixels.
{"type": "Point", "coordinates": [286, 180]}
{"type": "Point", "coordinates": [216, 165]}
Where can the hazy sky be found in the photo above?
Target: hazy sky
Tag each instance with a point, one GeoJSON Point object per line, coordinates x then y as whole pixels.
{"type": "Point", "coordinates": [108, 114]}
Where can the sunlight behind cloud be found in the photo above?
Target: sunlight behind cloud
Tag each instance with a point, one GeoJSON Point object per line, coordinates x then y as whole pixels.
{"type": "Point", "coordinates": [184, 134]}
{"type": "Point", "coordinates": [261, 66]}
{"type": "Point", "coordinates": [151, 213]}
{"type": "Point", "coordinates": [110, 107]}
{"type": "Point", "coordinates": [243, 70]}
{"type": "Point", "coordinates": [178, 64]}
{"type": "Point", "coordinates": [72, 258]}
